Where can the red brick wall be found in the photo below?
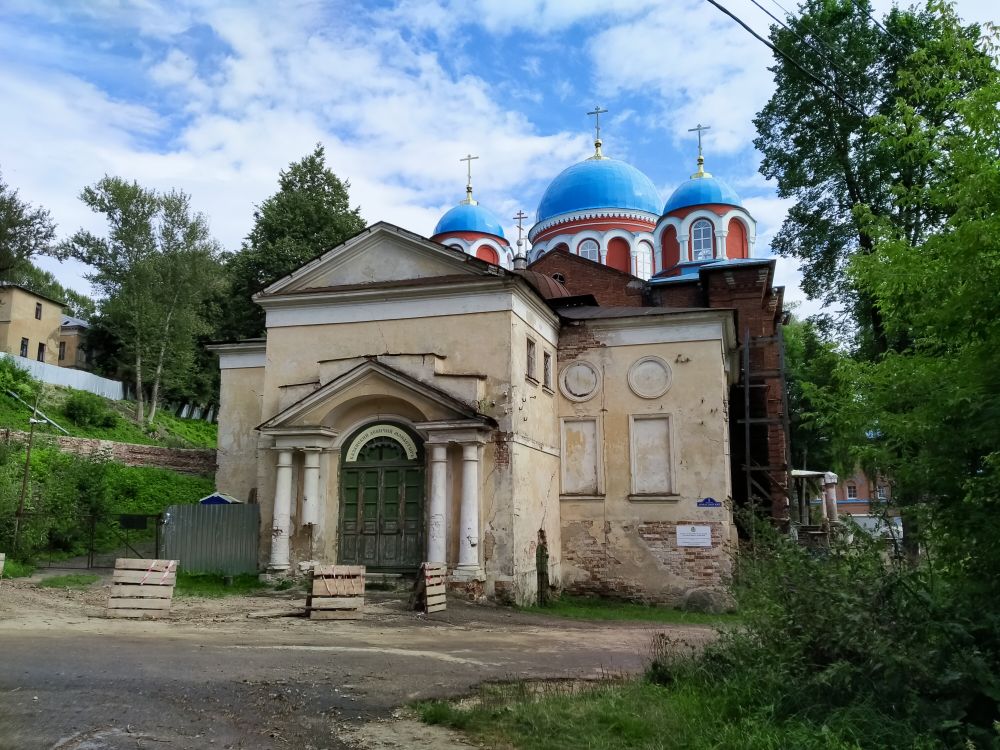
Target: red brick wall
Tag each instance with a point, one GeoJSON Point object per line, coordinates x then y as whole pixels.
{"type": "Point", "coordinates": [610, 287]}
{"type": "Point", "coordinates": [592, 549]}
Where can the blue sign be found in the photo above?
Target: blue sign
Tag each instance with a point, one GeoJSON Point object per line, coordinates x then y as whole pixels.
{"type": "Point", "coordinates": [709, 502]}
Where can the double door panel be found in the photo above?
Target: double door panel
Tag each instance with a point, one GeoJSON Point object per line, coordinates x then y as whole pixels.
{"type": "Point", "coordinates": [382, 517]}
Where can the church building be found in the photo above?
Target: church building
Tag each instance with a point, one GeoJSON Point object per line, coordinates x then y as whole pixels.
{"type": "Point", "coordinates": [556, 416]}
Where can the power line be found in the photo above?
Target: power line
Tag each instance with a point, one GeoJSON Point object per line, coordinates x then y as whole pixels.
{"type": "Point", "coordinates": [805, 41]}
{"type": "Point", "coordinates": [793, 61]}
{"type": "Point", "coordinates": [800, 37]}
{"type": "Point", "coordinates": [875, 21]}
{"type": "Point", "coordinates": [815, 30]}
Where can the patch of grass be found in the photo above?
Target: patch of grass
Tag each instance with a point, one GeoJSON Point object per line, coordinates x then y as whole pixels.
{"type": "Point", "coordinates": [69, 581]}
{"type": "Point", "coordinates": [583, 608]}
{"type": "Point", "coordinates": [197, 433]}
{"type": "Point", "coordinates": [17, 569]}
{"type": "Point", "coordinates": [213, 585]}
{"type": "Point", "coordinates": [628, 714]}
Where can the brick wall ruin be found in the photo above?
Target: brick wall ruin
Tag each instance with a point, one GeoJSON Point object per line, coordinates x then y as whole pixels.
{"type": "Point", "coordinates": [183, 460]}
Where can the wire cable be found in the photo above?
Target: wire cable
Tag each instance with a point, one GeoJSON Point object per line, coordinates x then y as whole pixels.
{"type": "Point", "coordinates": [809, 44]}
{"type": "Point", "coordinates": [836, 95]}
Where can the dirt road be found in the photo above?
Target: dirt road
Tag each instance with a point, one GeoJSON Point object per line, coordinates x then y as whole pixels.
{"type": "Point", "coordinates": [213, 678]}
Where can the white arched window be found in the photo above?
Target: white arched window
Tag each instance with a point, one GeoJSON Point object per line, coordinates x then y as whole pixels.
{"type": "Point", "coordinates": [701, 240]}
{"type": "Point", "coordinates": [590, 250]}
{"type": "Point", "coordinates": [644, 260]}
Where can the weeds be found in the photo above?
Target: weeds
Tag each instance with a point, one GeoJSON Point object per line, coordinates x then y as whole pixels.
{"type": "Point", "coordinates": [214, 585]}
{"type": "Point", "coordinates": [70, 581]}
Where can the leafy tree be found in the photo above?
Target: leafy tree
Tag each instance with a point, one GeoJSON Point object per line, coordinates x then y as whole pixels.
{"type": "Point", "coordinates": [934, 404]}
{"type": "Point", "coordinates": [24, 231]}
{"type": "Point", "coordinates": [310, 214]}
{"type": "Point", "coordinates": [815, 388]}
{"type": "Point", "coordinates": [154, 268]}
{"type": "Point", "coordinates": [822, 145]}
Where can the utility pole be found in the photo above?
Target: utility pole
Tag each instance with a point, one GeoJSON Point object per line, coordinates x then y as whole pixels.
{"type": "Point", "coordinates": [32, 421]}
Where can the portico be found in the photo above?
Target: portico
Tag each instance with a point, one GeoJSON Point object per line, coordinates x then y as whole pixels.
{"type": "Point", "coordinates": [359, 477]}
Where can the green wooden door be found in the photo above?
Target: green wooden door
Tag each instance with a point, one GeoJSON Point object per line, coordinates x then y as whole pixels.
{"type": "Point", "coordinates": [382, 503]}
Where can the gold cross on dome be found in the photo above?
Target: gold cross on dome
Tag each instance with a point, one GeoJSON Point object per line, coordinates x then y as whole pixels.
{"type": "Point", "coordinates": [597, 120]}
{"type": "Point", "coordinates": [468, 159]}
{"type": "Point", "coordinates": [700, 129]}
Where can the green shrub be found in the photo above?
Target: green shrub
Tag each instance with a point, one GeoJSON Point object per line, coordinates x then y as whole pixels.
{"type": "Point", "coordinates": [88, 410]}
{"type": "Point", "coordinates": [17, 569]}
{"type": "Point", "coordinates": [888, 655]}
{"type": "Point", "coordinates": [14, 378]}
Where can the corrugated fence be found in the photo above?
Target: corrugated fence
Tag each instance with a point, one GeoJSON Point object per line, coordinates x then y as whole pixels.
{"type": "Point", "coordinates": [66, 376]}
{"type": "Point", "coordinates": [211, 538]}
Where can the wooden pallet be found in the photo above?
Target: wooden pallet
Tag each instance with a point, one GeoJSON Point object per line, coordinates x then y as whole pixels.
{"type": "Point", "coordinates": [142, 588]}
{"type": "Point", "coordinates": [337, 593]}
{"type": "Point", "coordinates": [429, 594]}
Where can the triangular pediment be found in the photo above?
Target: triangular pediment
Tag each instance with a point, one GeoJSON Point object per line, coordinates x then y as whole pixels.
{"type": "Point", "coordinates": [377, 384]}
{"type": "Point", "coordinates": [381, 253]}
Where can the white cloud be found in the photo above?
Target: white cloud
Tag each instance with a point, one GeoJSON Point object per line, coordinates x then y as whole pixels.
{"type": "Point", "coordinates": [696, 62]}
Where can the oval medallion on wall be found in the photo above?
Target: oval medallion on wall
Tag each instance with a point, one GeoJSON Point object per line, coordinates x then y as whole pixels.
{"type": "Point", "coordinates": [579, 381]}
{"type": "Point", "coordinates": [649, 377]}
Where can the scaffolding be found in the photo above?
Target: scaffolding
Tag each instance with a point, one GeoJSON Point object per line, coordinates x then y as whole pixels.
{"type": "Point", "coordinates": [767, 482]}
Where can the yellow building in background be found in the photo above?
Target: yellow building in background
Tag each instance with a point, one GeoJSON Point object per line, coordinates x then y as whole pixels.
{"type": "Point", "coordinates": [30, 324]}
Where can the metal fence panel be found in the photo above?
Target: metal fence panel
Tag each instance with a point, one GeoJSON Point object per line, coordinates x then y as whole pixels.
{"type": "Point", "coordinates": [66, 376]}
{"type": "Point", "coordinates": [211, 538]}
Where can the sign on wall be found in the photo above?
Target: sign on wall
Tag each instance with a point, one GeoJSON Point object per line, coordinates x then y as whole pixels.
{"type": "Point", "coordinates": [694, 536]}
{"type": "Point", "coordinates": [709, 502]}
{"type": "Point", "coordinates": [398, 434]}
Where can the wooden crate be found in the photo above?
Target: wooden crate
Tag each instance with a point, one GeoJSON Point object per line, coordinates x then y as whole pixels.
{"type": "Point", "coordinates": [429, 588]}
{"type": "Point", "coordinates": [337, 592]}
{"type": "Point", "coordinates": [142, 588]}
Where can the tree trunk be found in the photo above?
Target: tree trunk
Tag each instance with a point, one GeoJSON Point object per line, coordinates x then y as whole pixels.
{"type": "Point", "coordinates": [139, 405]}
{"type": "Point", "coordinates": [155, 398]}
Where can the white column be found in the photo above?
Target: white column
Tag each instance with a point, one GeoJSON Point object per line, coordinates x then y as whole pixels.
{"type": "Point", "coordinates": [830, 495]}
{"type": "Point", "coordinates": [720, 243]}
{"type": "Point", "coordinates": [682, 240]}
{"type": "Point", "coordinates": [437, 542]}
{"type": "Point", "coordinates": [310, 486]}
{"type": "Point", "coordinates": [282, 512]}
{"type": "Point", "coordinates": [468, 550]}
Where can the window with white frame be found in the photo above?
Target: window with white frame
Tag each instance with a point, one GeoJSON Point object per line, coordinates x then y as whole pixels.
{"type": "Point", "coordinates": [529, 368]}
{"type": "Point", "coordinates": [644, 260]}
{"type": "Point", "coordinates": [701, 240]}
{"type": "Point", "coordinates": [883, 492]}
{"type": "Point", "coordinates": [590, 250]}
{"type": "Point", "coordinates": [852, 492]}
{"type": "Point", "coordinates": [581, 456]}
{"type": "Point", "coordinates": [651, 455]}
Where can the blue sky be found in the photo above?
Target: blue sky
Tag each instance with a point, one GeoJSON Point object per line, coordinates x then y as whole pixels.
{"type": "Point", "coordinates": [214, 98]}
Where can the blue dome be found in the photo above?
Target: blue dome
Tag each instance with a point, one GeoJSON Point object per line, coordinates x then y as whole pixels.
{"type": "Point", "coordinates": [598, 183]}
{"type": "Point", "coordinates": [701, 190]}
{"type": "Point", "coordinates": [469, 217]}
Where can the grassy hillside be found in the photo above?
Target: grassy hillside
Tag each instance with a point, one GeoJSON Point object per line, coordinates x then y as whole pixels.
{"type": "Point", "coordinates": [85, 415]}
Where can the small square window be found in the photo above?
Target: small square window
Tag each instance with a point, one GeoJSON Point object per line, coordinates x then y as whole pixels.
{"type": "Point", "coordinates": [529, 369]}
{"type": "Point", "coordinates": [547, 370]}
{"type": "Point", "coordinates": [38, 311]}
{"type": "Point", "coordinates": [852, 492]}
{"type": "Point", "coordinates": [41, 353]}
{"type": "Point", "coordinates": [24, 347]}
